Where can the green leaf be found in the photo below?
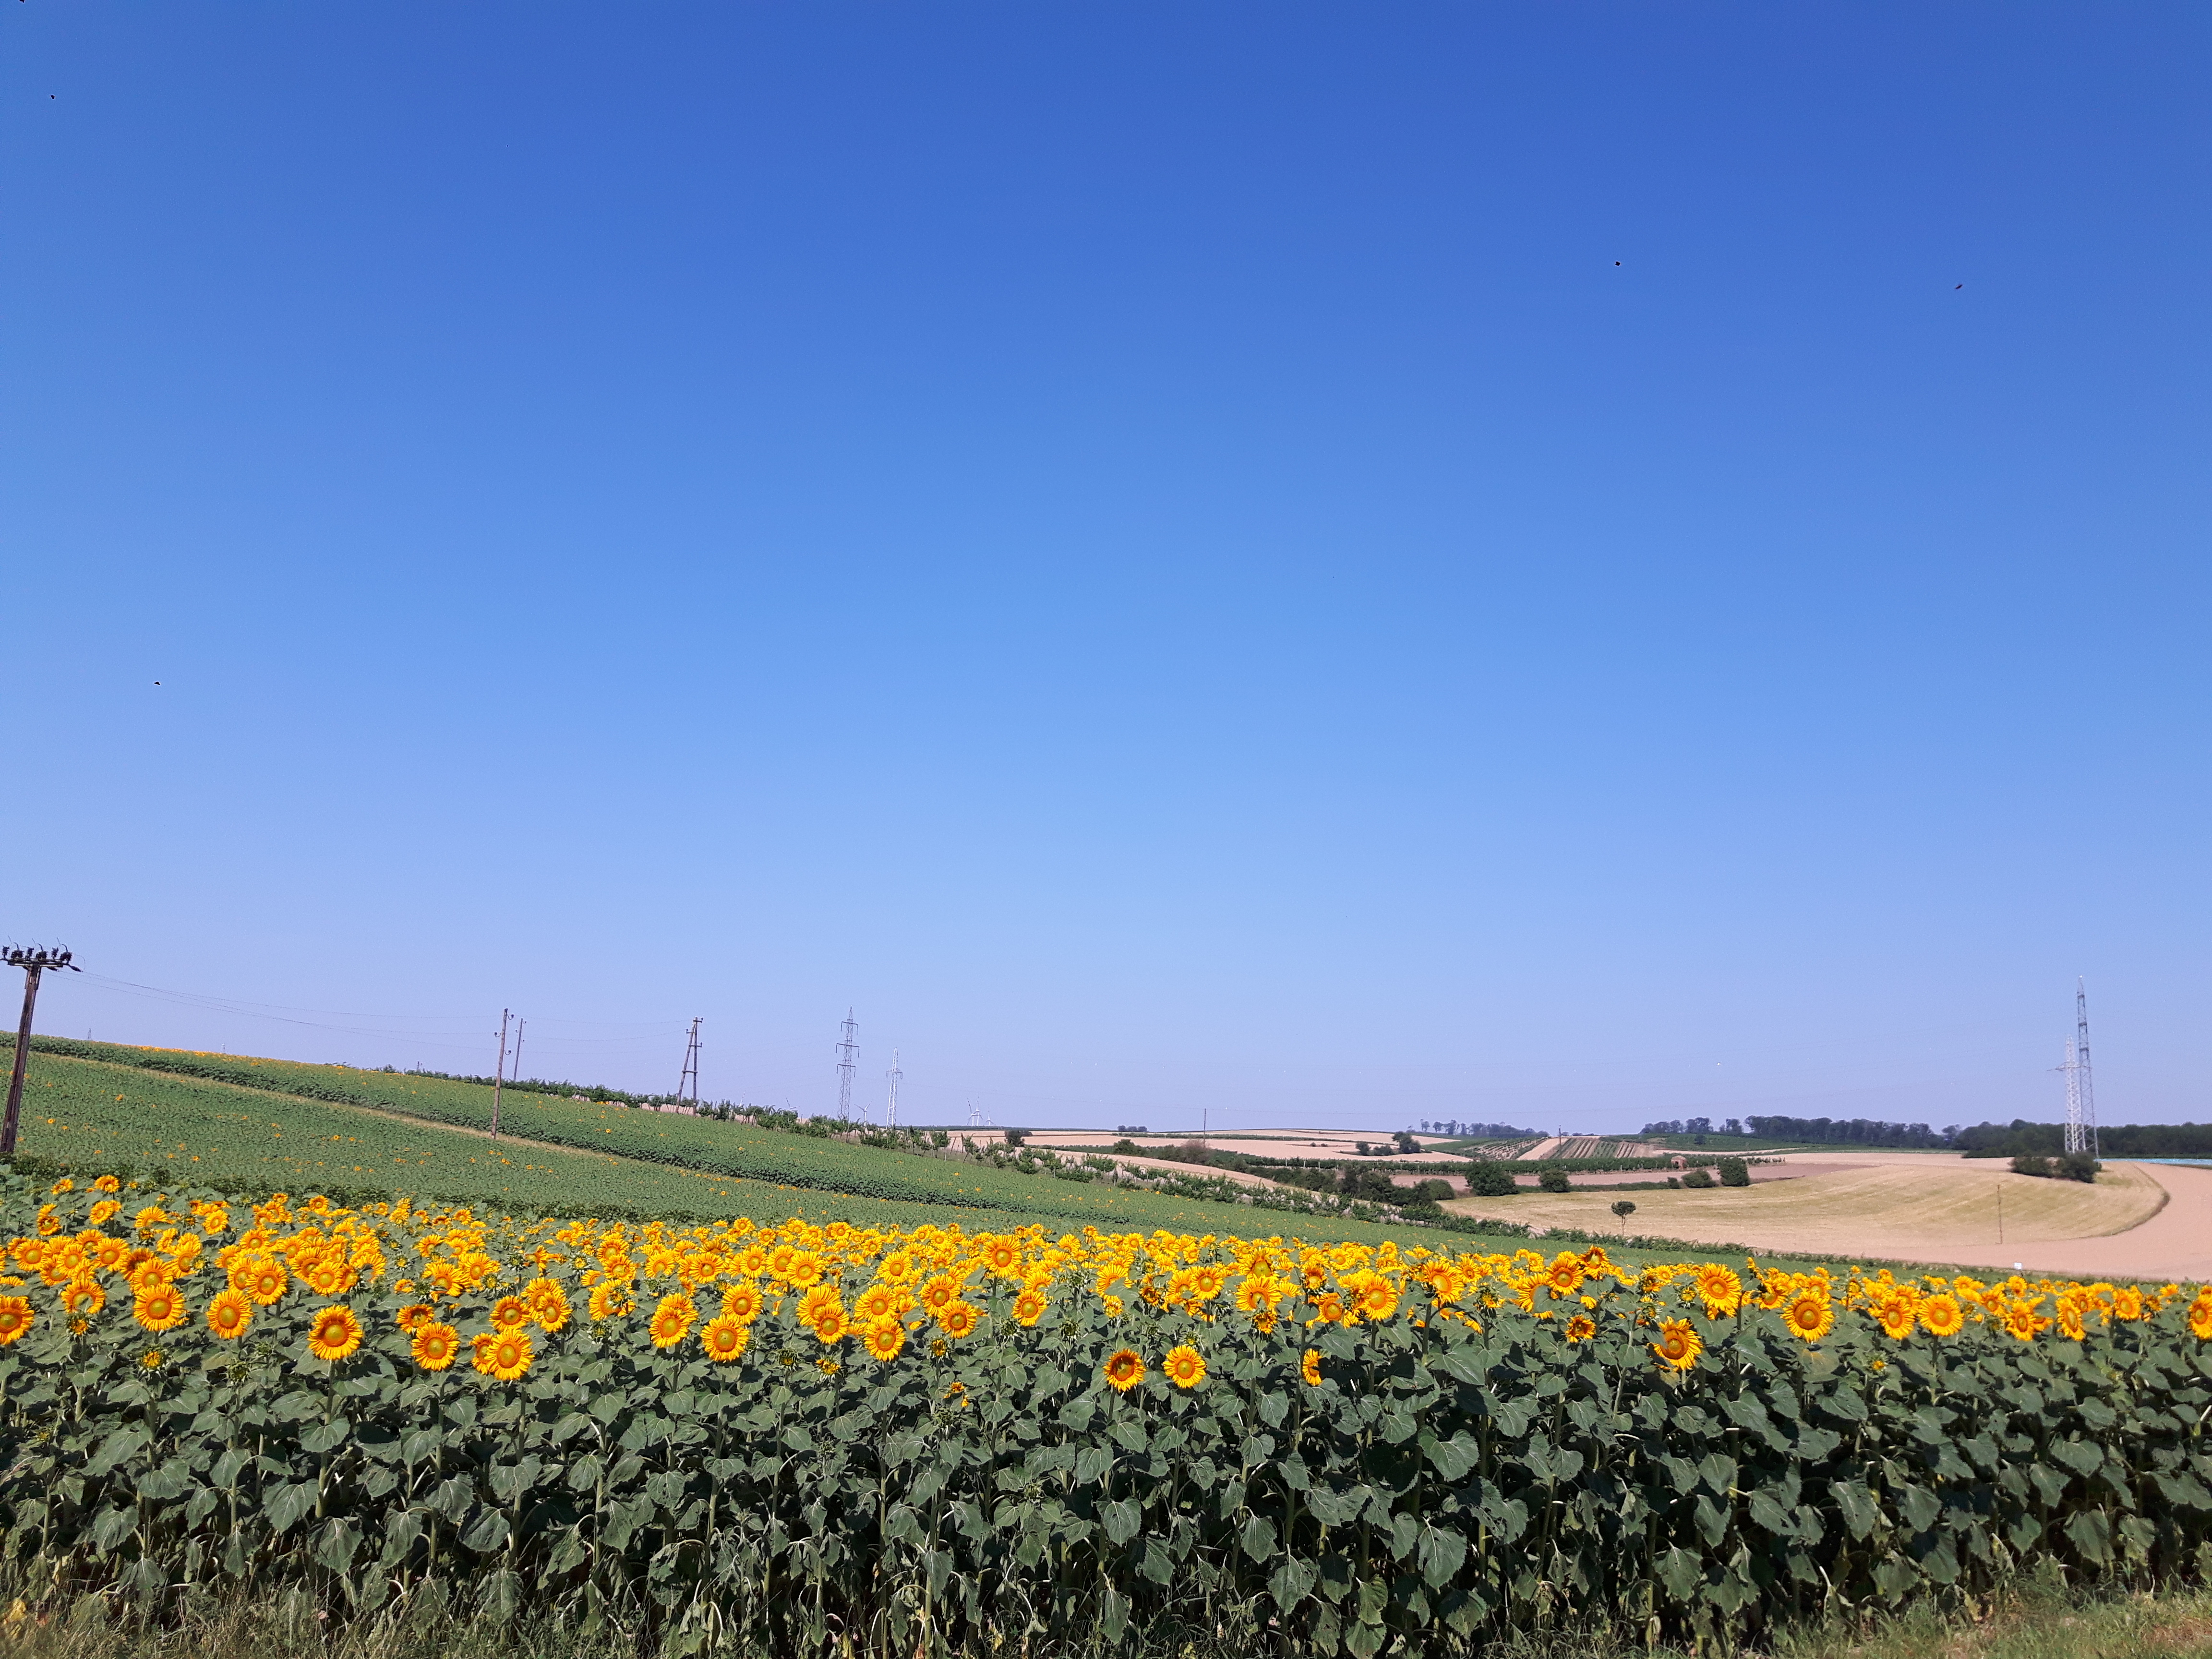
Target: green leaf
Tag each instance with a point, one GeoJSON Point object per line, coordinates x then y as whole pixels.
{"type": "Point", "coordinates": [112, 1527]}
{"type": "Point", "coordinates": [1443, 1553]}
{"type": "Point", "coordinates": [1092, 1465]}
{"type": "Point", "coordinates": [1121, 1519]}
{"type": "Point", "coordinates": [1258, 1538]}
{"type": "Point", "coordinates": [1680, 1572]}
{"type": "Point", "coordinates": [284, 1505]}
{"type": "Point", "coordinates": [1860, 1511]}
{"type": "Point", "coordinates": [1292, 1582]}
{"type": "Point", "coordinates": [487, 1530]}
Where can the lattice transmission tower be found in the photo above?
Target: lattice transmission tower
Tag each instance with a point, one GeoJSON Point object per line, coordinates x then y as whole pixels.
{"type": "Point", "coordinates": [2081, 1097]}
{"type": "Point", "coordinates": [896, 1076]}
{"type": "Point", "coordinates": [848, 1056]}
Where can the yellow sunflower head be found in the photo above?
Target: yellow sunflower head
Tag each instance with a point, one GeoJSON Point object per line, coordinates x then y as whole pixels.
{"type": "Point", "coordinates": [1185, 1366]}
{"type": "Point", "coordinates": [726, 1338]}
{"type": "Point", "coordinates": [1678, 1344]}
{"type": "Point", "coordinates": [1124, 1370]}
{"type": "Point", "coordinates": [503, 1355]}
{"type": "Point", "coordinates": [335, 1334]}
{"type": "Point", "coordinates": [1581, 1328]}
{"type": "Point", "coordinates": [885, 1338]}
{"type": "Point", "coordinates": [510, 1313]}
{"type": "Point", "coordinates": [1943, 1315]}
{"type": "Point", "coordinates": [1029, 1307]}
{"type": "Point", "coordinates": [435, 1344]}
{"type": "Point", "coordinates": [228, 1315]}
{"type": "Point", "coordinates": [160, 1307]}
{"type": "Point", "coordinates": [16, 1318]}
{"type": "Point", "coordinates": [1310, 1368]}
{"type": "Point", "coordinates": [672, 1320]}
{"type": "Point", "coordinates": [1809, 1315]}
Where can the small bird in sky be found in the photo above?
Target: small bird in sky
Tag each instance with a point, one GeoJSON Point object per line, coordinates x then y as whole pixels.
{"type": "Point", "coordinates": [157, 682]}
{"type": "Point", "coordinates": [1616, 262]}
{"type": "Point", "coordinates": [1955, 287]}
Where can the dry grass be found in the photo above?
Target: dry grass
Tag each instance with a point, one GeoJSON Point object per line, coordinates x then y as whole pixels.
{"type": "Point", "coordinates": [1917, 1211]}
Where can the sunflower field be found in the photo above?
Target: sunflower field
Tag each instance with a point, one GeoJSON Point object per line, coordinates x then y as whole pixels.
{"type": "Point", "coordinates": [796, 1438]}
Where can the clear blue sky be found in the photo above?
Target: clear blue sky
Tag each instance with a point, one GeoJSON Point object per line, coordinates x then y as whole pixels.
{"type": "Point", "coordinates": [1325, 563]}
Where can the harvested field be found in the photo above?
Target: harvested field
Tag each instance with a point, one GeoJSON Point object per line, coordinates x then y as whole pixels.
{"type": "Point", "coordinates": [1909, 1207]}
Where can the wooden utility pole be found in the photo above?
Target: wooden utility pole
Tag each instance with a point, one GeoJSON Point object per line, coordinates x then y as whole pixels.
{"type": "Point", "coordinates": [499, 1076]}
{"type": "Point", "coordinates": [34, 962]}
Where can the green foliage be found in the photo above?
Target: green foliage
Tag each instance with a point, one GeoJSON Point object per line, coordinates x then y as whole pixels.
{"type": "Point", "coordinates": [1490, 1180]}
{"type": "Point", "coordinates": [1733, 1172]}
{"type": "Point", "coordinates": [1553, 1181]}
{"type": "Point", "coordinates": [1699, 1178]}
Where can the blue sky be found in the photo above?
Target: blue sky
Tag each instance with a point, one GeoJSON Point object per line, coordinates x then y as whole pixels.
{"type": "Point", "coordinates": [1315, 564]}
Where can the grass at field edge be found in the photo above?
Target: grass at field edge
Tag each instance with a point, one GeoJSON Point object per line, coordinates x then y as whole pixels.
{"type": "Point", "coordinates": [2036, 1619]}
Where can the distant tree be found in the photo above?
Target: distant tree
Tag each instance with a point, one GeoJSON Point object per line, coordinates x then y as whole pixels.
{"type": "Point", "coordinates": [1553, 1181]}
{"type": "Point", "coordinates": [1735, 1172]}
{"type": "Point", "coordinates": [1624, 1207]}
{"type": "Point", "coordinates": [1696, 1178]}
{"type": "Point", "coordinates": [1016, 1137]}
{"type": "Point", "coordinates": [1491, 1181]}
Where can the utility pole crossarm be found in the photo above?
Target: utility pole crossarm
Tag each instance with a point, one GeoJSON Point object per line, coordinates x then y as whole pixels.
{"type": "Point", "coordinates": [33, 961]}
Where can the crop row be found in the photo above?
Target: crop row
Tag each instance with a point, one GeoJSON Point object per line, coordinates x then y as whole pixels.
{"type": "Point", "coordinates": [798, 1436]}
{"type": "Point", "coordinates": [732, 1152]}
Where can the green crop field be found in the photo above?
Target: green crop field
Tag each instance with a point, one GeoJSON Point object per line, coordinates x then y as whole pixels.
{"type": "Point", "coordinates": [279, 1124]}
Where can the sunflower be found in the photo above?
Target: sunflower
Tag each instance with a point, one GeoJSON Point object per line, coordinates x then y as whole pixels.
{"type": "Point", "coordinates": [1719, 1289]}
{"type": "Point", "coordinates": [2128, 1304]}
{"type": "Point", "coordinates": [549, 1304]}
{"type": "Point", "coordinates": [1378, 1300]}
{"type": "Point", "coordinates": [1001, 1256]}
{"type": "Point", "coordinates": [817, 1302]}
{"type": "Point", "coordinates": [230, 1314]}
{"type": "Point", "coordinates": [672, 1320]}
{"type": "Point", "coordinates": [806, 1270]}
{"type": "Point", "coordinates": [16, 1318]}
{"type": "Point", "coordinates": [1943, 1315]}
{"type": "Point", "coordinates": [611, 1300]}
{"type": "Point", "coordinates": [335, 1334]}
{"type": "Point", "coordinates": [958, 1318]}
{"type": "Point", "coordinates": [1809, 1315]}
{"type": "Point", "coordinates": [435, 1344]}
{"type": "Point", "coordinates": [2069, 1318]}
{"type": "Point", "coordinates": [510, 1313]}
{"type": "Point", "coordinates": [830, 1325]}
{"type": "Point", "coordinates": [83, 1298]}
{"type": "Point", "coordinates": [2021, 1320]}
{"type": "Point", "coordinates": [504, 1354]}
{"type": "Point", "coordinates": [1581, 1328]}
{"type": "Point", "coordinates": [1124, 1369]}
{"type": "Point", "coordinates": [104, 1211]}
{"type": "Point", "coordinates": [2200, 1316]}
{"type": "Point", "coordinates": [742, 1301]}
{"type": "Point", "coordinates": [1329, 1310]}
{"type": "Point", "coordinates": [1678, 1344]}
{"type": "Point", "coordinates": [263, 1279]}
{"type": "Point", "coordinates": [107, 1184]}
{"type": "Point", "coordinates": [940, 1292]}
{"type": "Point", "coordinates": [1185, 1366]}
{"type": "Point", "coordinates": [1565, 1275]}
{"type": "Point", "coordinates": [1897, 1317]}
{"type": "Point", "coordinates": [885, 1338]}
{"type": "Point", "coordinates": [1029, 1307]}
{"type": "Point", "coordinates": [1310, 1368]}
{"type": "Point", "coordinates": [726, 1338]}
{"type": "Point", "coordinates": [161, 1308]}
{"type": "Point", "coordinates": [409, 1318]}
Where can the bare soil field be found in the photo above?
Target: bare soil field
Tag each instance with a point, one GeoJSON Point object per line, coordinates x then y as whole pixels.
{"type": "Point", "coordinates": [1914, 1207]}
